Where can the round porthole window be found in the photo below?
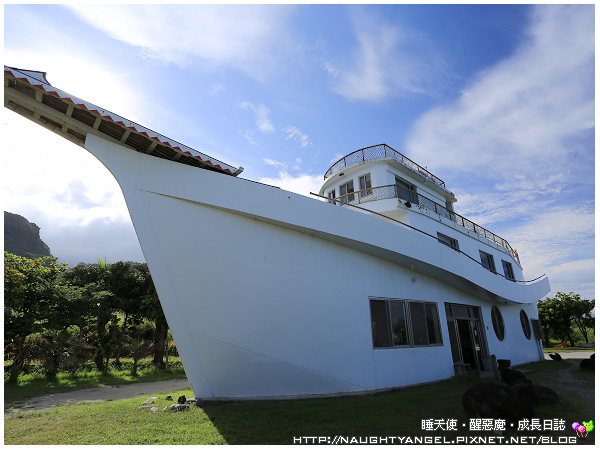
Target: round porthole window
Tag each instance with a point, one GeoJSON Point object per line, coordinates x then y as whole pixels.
{"type": "Point", "coordinates": [525, 324]}
{"type": "Point", "coordinates": [498, 323]}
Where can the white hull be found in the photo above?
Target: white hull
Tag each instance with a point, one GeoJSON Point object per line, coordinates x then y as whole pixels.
{"type": "Point", "coordinates": [267, 292]}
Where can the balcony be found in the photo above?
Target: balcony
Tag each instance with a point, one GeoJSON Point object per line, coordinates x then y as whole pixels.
{"type": "Point", "coordinates": [380, 151]}
{"type": "Point", "coordinates": [413, 198]}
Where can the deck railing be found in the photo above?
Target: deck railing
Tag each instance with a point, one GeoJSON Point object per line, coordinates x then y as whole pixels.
{"type": "Point", "coordinates": [413, 198]}
{"type": "Point", "coordinates": [380, 151]}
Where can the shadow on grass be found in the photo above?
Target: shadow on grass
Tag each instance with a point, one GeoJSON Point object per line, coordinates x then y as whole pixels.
{"type": "Point", "coordinates": [398, 413]}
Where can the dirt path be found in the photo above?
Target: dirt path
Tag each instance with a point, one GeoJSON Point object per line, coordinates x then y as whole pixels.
{"type": "Point", "coordinates": [564, 379]}
{"type": "Point", "coordinates": [99, 394]}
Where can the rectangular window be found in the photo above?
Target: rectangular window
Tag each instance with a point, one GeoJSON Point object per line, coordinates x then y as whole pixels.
{"type": "Point", "coordinates": [331, 195]}
{"type": "Point", "coordinates": [406, 191]}
{"type": "Point", "coordinates": [364, 183]}
{"type": "Point", "coordinates": [380, 324]}
{"type": "Point", "coordinates": [347, 191]}
{"type": "Point", "coordinates": [488, 261]}
{"type": "Point", "coordinates": [447, 240]}
{"type": "Point", "coordinates": [399, 327]}
{"type": "Point", "coordinates": [403, 323]}
{"type": "Point", "coordinates": [508, 270]}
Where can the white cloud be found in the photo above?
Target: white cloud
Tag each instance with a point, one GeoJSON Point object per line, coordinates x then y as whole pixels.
{"type": "Point", "coordinates": [331, 69]}
{"type": "Point", "coordinates": [243, 37]}
{"type": "Point", "coordinates": [302, 184]}
{"type": "Point", "coordinates": [249, 136]}
{"type": "Point", "coordinates": [271, 162]}
{"type": "Point", "coordinates": [261, 115]}
{"type": "Point", "coordinates": [389, 61]}
{"type": "Point", "coordinates": [297, 135]}
{"type": "Point", "coordinates": [520, 112]}
{"type": "Point", "coordinates": [67, 192]}
{"type": "Point", "coordinates": [519, 142]}
{"type": "Point", "coordinates": [216, 89]}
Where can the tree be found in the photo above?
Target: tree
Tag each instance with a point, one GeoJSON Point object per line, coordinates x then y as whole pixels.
{"type": "Point", "coordinates": [559, 313]}
{"type": "Point", "coordinates": [152, 310]}
{"type": "Point", "coordinates": [30, 292]}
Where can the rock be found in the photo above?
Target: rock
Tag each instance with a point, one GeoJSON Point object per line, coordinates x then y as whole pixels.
{"type": "Point", "coordinates": [503, 363]}
{"type": "Point", "coordinates": [199, 403]}
{"type": "Point", "coordinates": [555, 356]}
{"type": "Point", "coordinates": [154, 409]}
{"type": "Point", "coordinates": [512, 376]}
{"type": "Point", "coordinates": [495, 400]}
{"type": "Point", "coordinates": [181, 400]}
{"type": "Point", "coordinates": [593, 357]}
{"type": "Point", "coordinates": [545, 394]}
{"type": "Point", "coordinates": [150, 400]}
{"type": "Point", "coordinates": [177, 407]}
{"type": "Point", "coordinates": [527, 393]}
{"type": "Point", "coordinates": [190, 400]}
{"type": "Point", "coordinates": [168, 397]}
{"type": "Point", "coordinates": [588, 364]}
{"type": "Point", "coordinates": [144, 407]}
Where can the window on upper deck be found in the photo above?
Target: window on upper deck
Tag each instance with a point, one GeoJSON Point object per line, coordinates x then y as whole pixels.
{"type": "Point", "coordinates": [488, 261]}
{"type": "Point", "coordinates": [347, 191]}
{"type": "Point", "coordinates": [508, 270]}
{"type": "Point", "coordinates": [406, 191]}
{"type": "Point", "coordinates": [331, 195]}
{"type": "Point", "coordinates": [364, 183]}
{"type": "Point", "coordinates": [447, 240]}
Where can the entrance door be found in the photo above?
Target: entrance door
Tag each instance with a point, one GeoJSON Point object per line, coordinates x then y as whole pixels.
{"type": "Point", "coordinates": [467, 346]}
{"type": "Point", "coordinates": [466, 339]}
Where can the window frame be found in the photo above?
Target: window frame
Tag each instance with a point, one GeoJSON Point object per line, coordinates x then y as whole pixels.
{"type": "Point", "coordinates": [491, 265]}
{"type": "Point", "coordinates": [409, 325]}
{"type": "Point", "coordinates": [525, 324]}
{"type": "Point", "coordinates": [366, 181]}
{"type": "Point", "coordinates": [452, 243]}
{"type": "Point", "coordinates": [349, 196]}
{"type": "Point", "coordinates": [498, 323]}
{"type": "Point", "coordinates": [508, 270]}
{"type": "Point", "coordinates": [411, 196]}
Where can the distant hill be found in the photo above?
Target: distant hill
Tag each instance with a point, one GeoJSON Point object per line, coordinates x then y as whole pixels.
{"type": "Point", "coordinates": [22, 237]}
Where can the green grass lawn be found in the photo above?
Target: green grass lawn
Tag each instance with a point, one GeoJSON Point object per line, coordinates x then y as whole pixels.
{"type": "Point", "coordinates": [34, 385]}
{"type": "Point", "coordinates": [568, 349]}
{"type": "Point", "coordinates": [396, 413]}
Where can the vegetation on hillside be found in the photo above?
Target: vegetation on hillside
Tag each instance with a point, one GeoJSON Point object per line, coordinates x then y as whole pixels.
{"type": "Point", "coordinates": [22, 237]}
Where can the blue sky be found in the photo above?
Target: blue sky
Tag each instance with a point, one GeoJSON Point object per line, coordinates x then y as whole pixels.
{"type": "Point", "coordinates": [497, 101]}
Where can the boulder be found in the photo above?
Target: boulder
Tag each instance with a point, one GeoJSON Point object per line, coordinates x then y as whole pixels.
{"type": "Point", "coordinates": [154, 409]}
{"type": "Point", "coordinates": [588, 364]}
{"type": "Point", "coordinates": [527, 393]}
{"type": "Point", "coordinates": [495, 400]}
{"type": "Point", "coordinates": [199, 403]}
{"type": "Point", "coordinates": [545, 394]}
{"type": "Point", "coordinates": [513, 376]}
{"type": "Point", "coordinates": [150, 400]}
{"type": "Point", "coordinates": [503, 363]}
{"type": "Point", "coordinates": [190, 400]}
{"type": "Point", "coordinates": [144, 407]}
{"type": "Point", "coordinates": [168, 397]}
{"type": "Point", "coordinates": [177, 407]}
{"type": "Point", "coordinates": [181, 400]}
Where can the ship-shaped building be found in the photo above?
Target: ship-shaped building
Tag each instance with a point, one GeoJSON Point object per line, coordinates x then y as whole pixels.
{"type": "Point", "coordinates": [374, 283]}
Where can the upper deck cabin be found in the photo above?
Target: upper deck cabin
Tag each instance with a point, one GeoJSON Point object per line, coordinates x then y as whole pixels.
{"type": "Point", "coordinates": [382, 180]}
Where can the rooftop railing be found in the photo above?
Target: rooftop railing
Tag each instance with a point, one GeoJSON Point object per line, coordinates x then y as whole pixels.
{"type": "Point", "coordinates": [380, 151]}
{"type": "Point", "coordinates": [413, 198]}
